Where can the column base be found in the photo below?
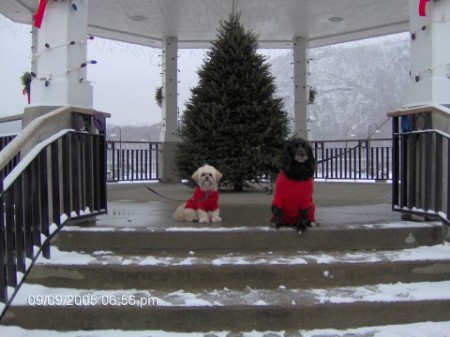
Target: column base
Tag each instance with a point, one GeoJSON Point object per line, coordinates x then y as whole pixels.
{"type": "Point", "coordinates": [167, 168]}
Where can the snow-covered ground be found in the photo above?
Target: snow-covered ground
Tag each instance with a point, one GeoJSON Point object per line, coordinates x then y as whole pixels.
{"type": "Point", "coordinates": [425, 329]}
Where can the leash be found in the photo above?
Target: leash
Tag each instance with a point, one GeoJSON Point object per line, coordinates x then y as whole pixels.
{"type": "Point", "coordinates": [353, 148]}
{"type": "Point", "coordinates": [206, 197]}
{"type": "Point", "coordinates": [160, 195]}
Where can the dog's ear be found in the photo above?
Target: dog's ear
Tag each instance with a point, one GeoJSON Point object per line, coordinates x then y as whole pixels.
{"type": "Point", "coordinates": [196, 175]}
{"type": "Point", "coordinates": [311, 153]}
{"type": "Point", "coordinates": [217, 175]}
{"type": "Point", "coordinates": [288, 157]}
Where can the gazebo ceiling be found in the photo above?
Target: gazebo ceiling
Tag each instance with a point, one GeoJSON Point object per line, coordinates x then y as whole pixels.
{"type": "Point", "coordinates": [195, 22]}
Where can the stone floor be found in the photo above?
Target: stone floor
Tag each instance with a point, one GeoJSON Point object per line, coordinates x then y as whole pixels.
{"type": "Point", "coordinates": [337, 204]}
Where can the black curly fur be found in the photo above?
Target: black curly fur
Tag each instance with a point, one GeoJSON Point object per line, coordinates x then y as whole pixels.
{"type": "Point", "coordinates": [294, 169]}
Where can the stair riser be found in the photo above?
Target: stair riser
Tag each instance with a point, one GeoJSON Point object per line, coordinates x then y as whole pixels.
{"type": "Point", "coordinates": [260, 318]}
{"type": "Point", "coordinates": [207, 277]}
{"type": "Point", "coordinates": [316, 239]}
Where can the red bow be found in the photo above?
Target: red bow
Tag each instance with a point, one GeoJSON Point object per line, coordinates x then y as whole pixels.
{"type": "Point", "coordinates": [39, 15]}
{"type": "Point", "coordinates": [422, 7]}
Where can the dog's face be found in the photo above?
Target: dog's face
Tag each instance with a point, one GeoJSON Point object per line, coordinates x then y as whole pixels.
{"type": "Point", "coordinates": [207, 177]}
{"type": "Point", "coordinates": [298, 159]}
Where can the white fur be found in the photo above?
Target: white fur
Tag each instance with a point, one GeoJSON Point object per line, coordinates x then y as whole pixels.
{"type": "Point", "coordinates": [207, 177]}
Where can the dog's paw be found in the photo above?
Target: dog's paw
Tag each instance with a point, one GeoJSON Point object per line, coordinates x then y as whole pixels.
{"type": "Point", "coordinates": [203, 220]}
{"type": "Point", "coordinates": [301, 228]}
{"type": "Point", "coordinates": [216, 219]}
{"type": "Point", "coordinates": [313, 224]}
{"type": "Point", "coordinates": [278, 225]}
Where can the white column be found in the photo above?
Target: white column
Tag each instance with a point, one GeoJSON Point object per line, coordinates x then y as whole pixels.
{"type": "Point", "coordinates": [169, 109]}
{"type": "Point", "coordinates": [430, 55]}
{"type": "Point", "coordinates": [301, 88]}
{"type": "Point", "coordinates": [59, 56]}
{"type": "Point", "coordinates": [170, 89]}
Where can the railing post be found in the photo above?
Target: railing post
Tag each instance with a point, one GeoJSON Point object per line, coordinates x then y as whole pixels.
{"type": "Point", "coordinates": [28, 214]}
{"type": "Point", "coordinates": [11, 271]}
{"type": "Point", "coordinates": [18, 226]}
{"type": "Point", "coordinates": [75, 160]}
{"type": "Point", "coordinates": [43, 189]}
{"type": "Point", "coordinates": [396, 161]}
{"type": "Point", "coordinates": [448, 181]}
{"type": "Point", "coordinates": [438, 173]}
{"type": "Point", "coordinates": [3, 274]}
{"type": "Point", "coordinates": [56, 207]}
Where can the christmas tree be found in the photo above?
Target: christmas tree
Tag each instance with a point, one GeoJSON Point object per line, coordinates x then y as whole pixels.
{"type": "Point", "coordinates": [232, 120]}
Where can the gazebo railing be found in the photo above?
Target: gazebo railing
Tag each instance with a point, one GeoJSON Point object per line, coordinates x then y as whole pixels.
{"type": "Point", "coordinates": [61, 178]}
{"type": "Point", "coordinates": [364, 159]}
{"type": "Point", "coordinates": [361, 159]}
{"type": "Point", "coordinates": [132, 160]}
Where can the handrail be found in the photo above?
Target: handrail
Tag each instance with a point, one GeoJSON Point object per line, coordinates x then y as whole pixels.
{"type": "Point", "coordinates": [34, 131]}
{"type": "Point", "coordinates": [420, 109]}
{"type": "Point", "coordinates": [22, 165]}
{"type": "Point", "coordinates": [12, 118]}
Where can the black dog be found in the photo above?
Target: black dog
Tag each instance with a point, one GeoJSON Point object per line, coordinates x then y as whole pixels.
{"type": "Point", "coordinates": [293, 200]}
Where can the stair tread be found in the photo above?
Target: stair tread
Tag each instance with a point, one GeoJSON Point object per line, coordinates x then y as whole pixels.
{"type": "Point", "coordinates": [105, 226]}
{"type": "Point", "coordinates": [399, 330]}
{"type": "Point", "coordinates": [37, 295]}
{"type": "Point", "coordinates": [208, 238]}
{"type": "Point", "coordinates": [424, 253]}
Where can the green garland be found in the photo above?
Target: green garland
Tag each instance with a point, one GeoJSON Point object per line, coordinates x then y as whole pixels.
{"type": "Point", "coordinates": [158, 96]}
{"type": "Point", "coordinates": [26, 81]}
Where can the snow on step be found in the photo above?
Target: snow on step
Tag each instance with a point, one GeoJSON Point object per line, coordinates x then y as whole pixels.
{"type": "Point", "coordinates": [435, 329]}
{"type": "Point", "coordinates": [37, 295]}
{"type": "Point", "coordinates": [425, 253]}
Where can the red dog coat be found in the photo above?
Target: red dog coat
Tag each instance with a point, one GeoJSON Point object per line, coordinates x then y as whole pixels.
{"type": "Point", "coordinates": [207, 201]}
{"type": "Point", "coordinates": [292, 196]}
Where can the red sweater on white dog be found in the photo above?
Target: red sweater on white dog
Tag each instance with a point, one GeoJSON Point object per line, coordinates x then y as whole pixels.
{"type": "Point", "coordinates": [292, 196]}
{"type": "Point", "coordinates": [207, 201]}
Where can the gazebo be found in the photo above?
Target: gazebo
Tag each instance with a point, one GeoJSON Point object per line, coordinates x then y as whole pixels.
{"type": "Point", "coordinates": [54, 170]}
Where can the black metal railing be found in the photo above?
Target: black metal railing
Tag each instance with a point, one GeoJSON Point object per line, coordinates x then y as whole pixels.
{"type": "Point", "coordinates": [63, 179]}
{"type": "Point", "coordinates": [132, 160]}
{"type": "Point", "coordinates": [5, 140]}
{"type": "Point", "coordinates": [362, 159]}
{"type": "Point", "coordinates": [421, 175]}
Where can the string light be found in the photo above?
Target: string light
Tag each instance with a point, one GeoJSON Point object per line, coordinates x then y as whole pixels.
{"type": "Point", "coordinates": [419, 74]}
{"type": "Point", "coordinates": [429, 25]}
{"type": "Point", "coordinates": [88, 62]}
{"type": "Point", "coordinates": [49, 48]}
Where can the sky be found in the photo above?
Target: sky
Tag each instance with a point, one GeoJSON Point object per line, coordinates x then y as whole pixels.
{"type": "Point", "coordinates": [124, 80]}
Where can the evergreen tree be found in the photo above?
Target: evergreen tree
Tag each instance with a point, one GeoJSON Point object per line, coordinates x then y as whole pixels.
{"type": "Point", "coordinates": [232, 120]}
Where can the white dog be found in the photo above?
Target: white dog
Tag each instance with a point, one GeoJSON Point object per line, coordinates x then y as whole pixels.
{"type": "Point", "coordinates": [203, 206]}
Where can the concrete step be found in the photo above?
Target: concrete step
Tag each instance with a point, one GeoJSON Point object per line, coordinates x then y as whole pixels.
{"type": "Point", "coordinates": [399, 330]}
{"type": "Point", "coordinates": [243, 310]}
{"type": "Point", "coordinates": [193, 271]}
{"type": "Point", "coordinates": [380, 236]}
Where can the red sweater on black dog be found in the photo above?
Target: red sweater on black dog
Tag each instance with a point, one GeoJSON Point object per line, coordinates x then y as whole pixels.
{"type": "Point", "coordinates": [292, 196]}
